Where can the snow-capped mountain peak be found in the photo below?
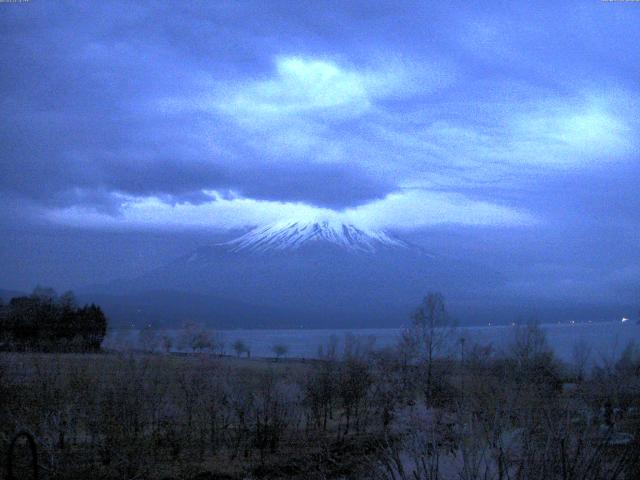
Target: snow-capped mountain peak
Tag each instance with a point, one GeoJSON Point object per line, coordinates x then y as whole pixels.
{"type": "Point", "coordinates": [295, 234]}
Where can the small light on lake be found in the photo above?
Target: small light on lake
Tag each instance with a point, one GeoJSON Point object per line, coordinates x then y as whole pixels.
{"type": "Point", "coordinates": [625, 319]}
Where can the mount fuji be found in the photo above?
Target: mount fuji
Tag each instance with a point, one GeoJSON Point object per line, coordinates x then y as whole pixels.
{"type": "Point", "coordinates": [295, 274]}
{"type": "Point", "coordinates": [288, 236]}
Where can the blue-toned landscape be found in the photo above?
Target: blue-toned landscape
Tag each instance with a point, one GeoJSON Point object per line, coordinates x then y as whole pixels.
{"type": "Point", "coordinates": [330, 240]}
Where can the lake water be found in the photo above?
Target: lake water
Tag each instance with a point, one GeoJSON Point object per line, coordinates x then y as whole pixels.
{"type": "Point", "coordinates": [604, 340]}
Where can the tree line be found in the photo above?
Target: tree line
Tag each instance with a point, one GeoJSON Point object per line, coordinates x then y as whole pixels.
{"type": "Point", "coordinates": [44, 321]}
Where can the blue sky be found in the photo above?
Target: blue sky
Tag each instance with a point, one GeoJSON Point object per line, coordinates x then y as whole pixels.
{"type": "Point", "coordinates": [510, 123]}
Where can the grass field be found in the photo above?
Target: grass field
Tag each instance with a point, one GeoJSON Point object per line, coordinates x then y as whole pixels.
{"type": "Point", "coordinates": [374, 414]}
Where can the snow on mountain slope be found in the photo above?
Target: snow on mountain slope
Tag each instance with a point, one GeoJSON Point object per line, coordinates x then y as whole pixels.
{"type": "Point", "coordinates": [294, 235]}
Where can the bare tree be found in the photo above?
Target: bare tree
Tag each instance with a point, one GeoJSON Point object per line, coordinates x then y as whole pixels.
{"type": "Point", "coordinates": [280, 350]}
{"type": "Point", "coordinates": [202, 341]}
{"type": "Point", "coordinates": [217, 343]}
{"type": "Point", "coordinates": [195, 337]}
{"type": "Point", "coordinates": [330, 350]}
{"type": "Point", "coordinates": [529, 344]}
{"type": "Point", "coordinates": [429, 335]}
{"type": "Point", "coordinates": [240, 347]}
{"type": "Point", "coordinates": [167, 342]}
{"type": "Point", "coordinates": [148, 339]}
{"type": "Point", "coordinates": [580, 357]}
{"type": "Point", "coordinates": [186, 335]}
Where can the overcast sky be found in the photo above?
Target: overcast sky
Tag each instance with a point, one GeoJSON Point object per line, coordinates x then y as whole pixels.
{"type": "Point", "coordinates": [506, 130]}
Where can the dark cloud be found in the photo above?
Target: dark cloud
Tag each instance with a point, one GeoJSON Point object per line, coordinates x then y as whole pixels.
{"type": "Point", "coordinates": [79, 81]}
{"type": "Point", "coordinates": [79, 85]}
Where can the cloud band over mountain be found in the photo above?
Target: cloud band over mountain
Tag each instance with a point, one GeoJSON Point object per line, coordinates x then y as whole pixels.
{"type": "Point", "coordinates": [109, 116]}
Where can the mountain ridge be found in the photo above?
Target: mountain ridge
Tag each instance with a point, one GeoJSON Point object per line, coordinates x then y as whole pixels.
{"type": "Point", "coordinates": [294, 235]}
{"type": "Point", "coordinates": [311, 274]}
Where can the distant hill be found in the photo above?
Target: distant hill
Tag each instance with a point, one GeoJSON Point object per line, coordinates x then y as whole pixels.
{"type": "Point", "coordinates": [173, 308]}
{"type": "Point", "coordinates": [315, 274]}
{"type": "Point", "coordinates": [321, 275]}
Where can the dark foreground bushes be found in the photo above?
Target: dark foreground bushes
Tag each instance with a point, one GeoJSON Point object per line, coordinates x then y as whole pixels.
{"type": "Point", "coordinates": [516, 414]}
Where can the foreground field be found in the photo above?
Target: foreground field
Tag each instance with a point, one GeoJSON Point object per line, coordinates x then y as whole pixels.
{"type": "Point", "coordinates": [387, 414]}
